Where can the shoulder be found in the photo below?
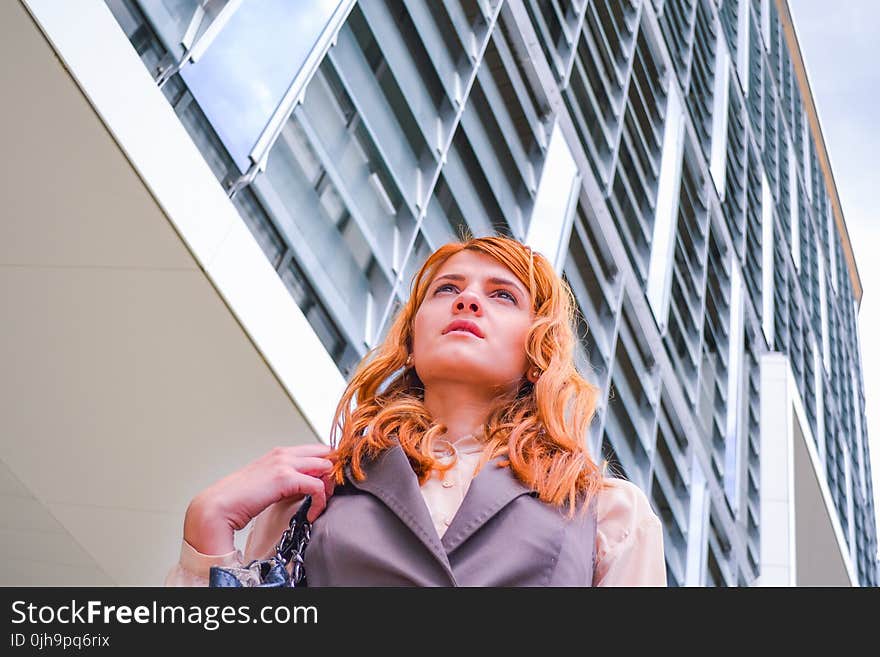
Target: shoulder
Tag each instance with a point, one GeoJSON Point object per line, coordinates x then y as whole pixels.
{"type": "Point", "coordinates": [621, 509]}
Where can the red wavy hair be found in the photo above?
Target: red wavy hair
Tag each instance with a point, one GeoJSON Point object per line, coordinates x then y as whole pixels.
{"type": "Point", "coordinates": [541, 429]}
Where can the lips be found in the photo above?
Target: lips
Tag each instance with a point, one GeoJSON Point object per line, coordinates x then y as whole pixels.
{"type": "Point", "coordinates": [464, 325]}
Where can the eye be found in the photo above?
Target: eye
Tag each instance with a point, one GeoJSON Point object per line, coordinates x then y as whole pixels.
{"type": "Point", "coordinates": [445, 285]}
{"type": "Point", "coordinates": [509, 295]}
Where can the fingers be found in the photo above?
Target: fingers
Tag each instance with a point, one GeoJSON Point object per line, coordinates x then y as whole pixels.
{"type": "Point", "coordinates": [329, 484]}
{"type": "Point", "coordinates": [314, 449]}
{"type": "Point", "coordinates": [325, 486]}
{"type": "Point", "coordinates": [312, 465]}
{"type": "Point", "coordinates": [315, 488]}
{"type": "Point", "coordinates": [297, 471]}
{"type": "Point", "coordinates": [312, 458]}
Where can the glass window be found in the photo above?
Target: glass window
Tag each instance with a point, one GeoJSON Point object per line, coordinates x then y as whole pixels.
{"type": "Point", "coordinates": [555, 202]}
{"type": "Point", "coordinates": [734, 388]}
{"type": "Point", "coordinates": [662, 242]}
{"type": "Point", "coordinates": [767, 261]}
{"type": "Point", "coordinates": [245, 78]}
{"type": "Point", "coordinates": [832, 242]}
{"type": "Point", "coordinates": [742, 47]}
{"type": "Point", "coordinates": [820, 402]}
{"type": "Point", "coordinates": [823, 312]}
{"type": "Point", "coordinates": [850, 506]}
{"type": "Point", "coordinates": [765, 23]}
{"type": "Point", "coordinates": [793, 204]}
{"type": "Point", "coordinates": [808, 164]}
{"type": "Point", "coordinates": [702, 71]}
{"type": "Point", "coordinates": [697, 522]}
{"type": "Point", "coordinates": [857, 419]}
{"type": "Point", "coordinates": [718, 160]}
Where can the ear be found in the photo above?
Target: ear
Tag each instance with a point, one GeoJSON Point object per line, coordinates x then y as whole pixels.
{"type": "Point", "coordinates": [532, 374]}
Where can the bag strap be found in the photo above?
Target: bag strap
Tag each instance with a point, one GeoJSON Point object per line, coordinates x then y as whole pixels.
{"type": "Point", "coordinates": [294, 540]}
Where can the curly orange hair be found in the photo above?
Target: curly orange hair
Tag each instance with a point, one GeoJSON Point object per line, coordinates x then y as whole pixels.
{"type": "Point", "coordinates": [541, 429]}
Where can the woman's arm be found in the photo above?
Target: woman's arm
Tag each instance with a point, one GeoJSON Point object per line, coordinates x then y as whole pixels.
{"type": "Point", "coordinates": [267, 529]}
{"type": "Point", "coordinates": [638, 560]}
{"type": "Point", "coordinates": [194, 567]}
{"type": "Point", "coordinates": [228, 505]}
{"type": "Point", "coordinates": [272, 486]}
{"type": "Point", "coordinates": [629, 539]}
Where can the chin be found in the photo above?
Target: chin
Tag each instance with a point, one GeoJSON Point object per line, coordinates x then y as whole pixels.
{"type": "Point", "coordinates": [464, 370]}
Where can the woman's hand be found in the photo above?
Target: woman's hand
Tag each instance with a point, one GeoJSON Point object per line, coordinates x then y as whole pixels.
{"type": "Point", "coordinates": [283, 474]}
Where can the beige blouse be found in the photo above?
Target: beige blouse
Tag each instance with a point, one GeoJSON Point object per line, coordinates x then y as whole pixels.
{"type": "Point", "coordinates": [629, 535]}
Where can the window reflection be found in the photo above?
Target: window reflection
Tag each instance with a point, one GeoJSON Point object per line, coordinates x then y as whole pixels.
{"type": "Point", "coordinates": [793, 206]}
{"type": "Point", "coordinates": [555, 201]}
{"type": "Point", "coordinates": [668, 196]}
{"type": "Point", "coordinates": [767, 291]}
{"type": "Point", "coordinates": [734, 389]}
{"type": "Point", "coordinates": [243, 76]}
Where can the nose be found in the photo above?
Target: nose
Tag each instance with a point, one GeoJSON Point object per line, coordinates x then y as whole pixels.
{"type": "Point", "coordinates": [467, 300]}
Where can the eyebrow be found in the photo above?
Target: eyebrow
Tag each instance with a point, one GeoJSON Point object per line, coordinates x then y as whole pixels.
{"type": "Point", "coordinates": [494, 281]}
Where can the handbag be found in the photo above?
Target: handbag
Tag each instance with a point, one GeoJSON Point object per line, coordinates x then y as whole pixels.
{"type": "Point", "coordinates": [272, 572]}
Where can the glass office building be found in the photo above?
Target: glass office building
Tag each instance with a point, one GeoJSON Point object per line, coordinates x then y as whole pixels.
{"type": "Point", "coordinates": [665, 154]}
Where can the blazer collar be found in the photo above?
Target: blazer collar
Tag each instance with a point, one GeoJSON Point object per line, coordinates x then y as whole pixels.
{"type": "Point", "coordinates": [489, 492]}
{"type": "Point", "coordinates": [390, 478]}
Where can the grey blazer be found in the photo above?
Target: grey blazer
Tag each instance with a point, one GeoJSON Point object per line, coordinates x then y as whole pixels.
{"type": "Point", "coordinates": [378, 532]}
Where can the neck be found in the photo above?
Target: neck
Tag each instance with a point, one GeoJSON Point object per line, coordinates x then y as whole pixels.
{"type": "Point", "coordinates": [460, 407]}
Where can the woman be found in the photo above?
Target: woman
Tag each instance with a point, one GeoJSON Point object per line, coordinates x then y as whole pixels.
{"type": "Point", "coordinates": [462, 458]}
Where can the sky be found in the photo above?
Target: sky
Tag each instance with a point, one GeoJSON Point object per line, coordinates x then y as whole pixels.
{"type": "Point", "coordinates": [839, 45]}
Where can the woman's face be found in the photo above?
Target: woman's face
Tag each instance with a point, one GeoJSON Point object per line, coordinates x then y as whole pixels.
{"type": "Point", "coordinates": [473, 290]}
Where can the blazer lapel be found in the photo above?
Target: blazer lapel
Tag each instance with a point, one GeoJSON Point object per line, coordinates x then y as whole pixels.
{"type": "Point", "coordinates": [390, 478]}
{"type": "Point", "coordinates": [490, 491]}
